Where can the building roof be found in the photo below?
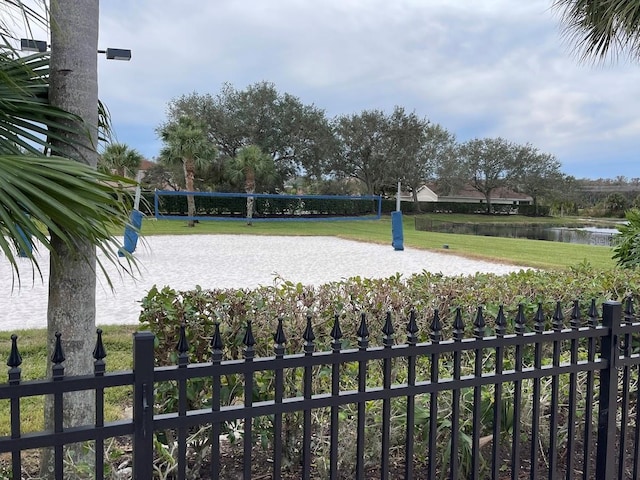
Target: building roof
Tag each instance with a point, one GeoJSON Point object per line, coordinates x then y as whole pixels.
{"type": "Point", "coordinates": [469, 193]}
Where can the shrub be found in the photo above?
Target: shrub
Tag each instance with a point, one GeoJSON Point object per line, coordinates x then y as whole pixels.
{"type": "Point", "coordinates": [165, 310]}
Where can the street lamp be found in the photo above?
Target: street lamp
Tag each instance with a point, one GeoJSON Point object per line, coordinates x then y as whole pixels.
{"type": "Point", "coordinates": [117, 54]}
{"type": "Point", "coordinates": [30, 45]}
{"type": "Point", "coordinates": [40, 46]}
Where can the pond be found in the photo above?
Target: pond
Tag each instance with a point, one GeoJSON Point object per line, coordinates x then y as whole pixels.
{"type": "Point", "coordinates": [584, 235]}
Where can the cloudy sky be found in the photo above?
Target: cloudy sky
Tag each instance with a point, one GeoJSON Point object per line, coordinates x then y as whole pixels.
{"type": "Point", "coordinates": [480, 68]}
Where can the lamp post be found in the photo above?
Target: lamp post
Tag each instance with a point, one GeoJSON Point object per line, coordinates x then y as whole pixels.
{"type": "Point", "coordinates": [41, 46]}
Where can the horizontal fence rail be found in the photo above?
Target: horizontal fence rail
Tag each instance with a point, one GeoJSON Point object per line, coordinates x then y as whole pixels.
{"type": "Point", "coordinates": [512, 398]}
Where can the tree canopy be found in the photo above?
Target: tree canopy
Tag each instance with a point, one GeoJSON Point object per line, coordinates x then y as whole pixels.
{"type": "Point", "coordinates": [120, 159]}
{"type": "Point", "coordinates": [295, 135]}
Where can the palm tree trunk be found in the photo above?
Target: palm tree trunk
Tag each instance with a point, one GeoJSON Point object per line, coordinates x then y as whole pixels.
{"type": "Point", "coordinates": [189, 175]}
{"type": "Point", "coordinates": [72, 280]}
{"type": "Point", "coordinates": [250, 187]}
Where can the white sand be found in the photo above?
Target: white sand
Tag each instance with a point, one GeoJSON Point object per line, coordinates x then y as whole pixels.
{"type": "Point", "coordinates": [227, 261]}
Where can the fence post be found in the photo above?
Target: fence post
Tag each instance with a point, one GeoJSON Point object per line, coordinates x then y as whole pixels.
{"type": "Point", "coordinates": [143, 360]}
{"type": "Point", "coordinates": [608, 396]}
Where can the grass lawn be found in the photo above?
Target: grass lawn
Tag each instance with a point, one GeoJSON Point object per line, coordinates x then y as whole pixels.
{"type": "Point", "coordinates": [532, 253]}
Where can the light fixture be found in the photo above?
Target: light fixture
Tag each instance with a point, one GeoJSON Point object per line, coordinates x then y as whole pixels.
{"type": "Point", "coordinates": [30, 45]}
{"type": "Point", "coordinates": [117, 53]}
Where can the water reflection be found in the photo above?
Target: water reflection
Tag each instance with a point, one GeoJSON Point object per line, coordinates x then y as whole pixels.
{"type": "Point", "coordinates": [584, 235]}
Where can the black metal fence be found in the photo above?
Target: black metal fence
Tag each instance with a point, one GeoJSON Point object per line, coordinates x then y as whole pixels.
{"type": "Point", "coordinates": [561, 399]}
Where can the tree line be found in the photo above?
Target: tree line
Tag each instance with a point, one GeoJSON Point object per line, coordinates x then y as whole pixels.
{"type": "Point", "coordinates": [296, 148]}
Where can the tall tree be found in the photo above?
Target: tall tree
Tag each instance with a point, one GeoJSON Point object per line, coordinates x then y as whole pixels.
{"type": "Point", "coordinates": [186, 141]}
{"type": "Point", "coordinates": [405, 138]}
{"type": "Point", "coordinates": [71, 306]}
{"type": "Point", "coordinates": [297, 136]}
{"type": "Point", "coordinates": [438, 150]}
{"type": "Point", "coordinates": [599, 28]}
{"type": "Point", "coordinates": [364, 142]}
{"type": "Point", "coordinates": [536, 174]}
{"type": "Point", "coordinates": [249, 165]}
{"type": "Point", "coordinates": [120, 159]}
{"type": "Point", "coordinates": [488, 164]}
{"type": "Point", "coordinates": [72, 280]}
{"type": "Point", "coordinates": [73, 87]}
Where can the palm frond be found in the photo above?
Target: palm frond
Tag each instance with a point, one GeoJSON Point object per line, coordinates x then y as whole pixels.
{"type": "Point", "coordinates": [599, 28]}
{"type": "Point", "coordinates": [27, 122]}
{"type": "Point", "coordinates": [40, 194]}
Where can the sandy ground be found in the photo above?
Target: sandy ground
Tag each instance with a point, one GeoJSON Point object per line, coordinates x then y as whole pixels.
{"type": "Point", "coordinates": [227, 261]}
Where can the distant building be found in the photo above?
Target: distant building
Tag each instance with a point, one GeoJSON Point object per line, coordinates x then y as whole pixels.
{"type": "Point", "coordinates": [499, 196]}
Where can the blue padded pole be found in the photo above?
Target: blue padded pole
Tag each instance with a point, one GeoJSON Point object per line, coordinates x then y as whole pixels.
{"type": "Point", "coordinates": [396, 225]}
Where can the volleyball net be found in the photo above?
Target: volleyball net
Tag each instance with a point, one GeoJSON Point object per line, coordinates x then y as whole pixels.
{"type": "Point", "coordinates": [172, 205]}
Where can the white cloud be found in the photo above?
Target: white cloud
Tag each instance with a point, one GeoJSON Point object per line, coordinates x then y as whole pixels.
{"type": "Point", "coordinates": [490, 68]}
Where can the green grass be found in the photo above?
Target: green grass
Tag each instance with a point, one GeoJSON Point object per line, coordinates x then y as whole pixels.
{"type": "Point", "coordinates": [32, 344]}
{"type": "Point", "coordinates": [530, 253]}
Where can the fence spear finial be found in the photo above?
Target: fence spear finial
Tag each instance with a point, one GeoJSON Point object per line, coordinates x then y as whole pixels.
{"type": "Point", "coordinates": [183, 346]}
{"type": "Point", "coordinates": [501, 322]}
{"type": "Point", "coordinates": [309, 337]}
{"type": "Point", "coordinates": [436, 327]}
{"type": "Point", "coordinates": [387, 331]}
{"type": "Point", "coordinates": [520, 321]}
{"type": "Point", "coordinates": [249, 341]}
{"type": "Point", "coordinates": [576, 318]}
{"type": "Point", "coordinates": [538, 321]}
{"type": "Point", "coordinates": [558, 317]}
{"type": "Point", "coordinates": [99, 354]}
{"type": "Point", "coordinates": [363, 332]}
{"type": "Point", "coordinates": [412, 328]}
{"type": "Point", "coordinates": [14, 361]}
{"type": "Point", "coordinates": [336, 334]}
{"type": "Point", "coordinates": [216, 340]}
{"type": "Point", "coordinates": [57, 358]}
{"type": "Point", "coordinates": [458, 325]}
{"type": "Point", "coordinates": [99, 351]}
{"type": "Point", "coordinates": [479, 324]}
{"type": "Point", "coordinates": [279, 338]}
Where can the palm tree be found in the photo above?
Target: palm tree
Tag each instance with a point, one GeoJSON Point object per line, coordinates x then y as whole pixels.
{"type": "Point", "coordinates": [186, 141]}
{"type": "Point", "coordinates": [50, 106]}
{"type": "Point", "coordinates": [119, 159]}
{"type": "Point", "coordinates": [247, 166]}
{"type": "Point", "coordinates": [599, 28]}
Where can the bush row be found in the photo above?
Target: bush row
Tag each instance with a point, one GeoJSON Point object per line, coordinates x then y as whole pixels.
{"type": "Point", "coordinates": [165, 309]}
{"type": "Point", "coordinates": [466, 208]}
{"type": "Point", "coordinates": [264, 206]}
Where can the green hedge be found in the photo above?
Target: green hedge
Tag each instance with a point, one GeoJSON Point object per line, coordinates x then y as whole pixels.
{"type": "Point", "coordinates": [264, 206]}
{"type": "Point", "coordinates": [164, 310]}
{"type": "Point", "coordinates": [465, 208]}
